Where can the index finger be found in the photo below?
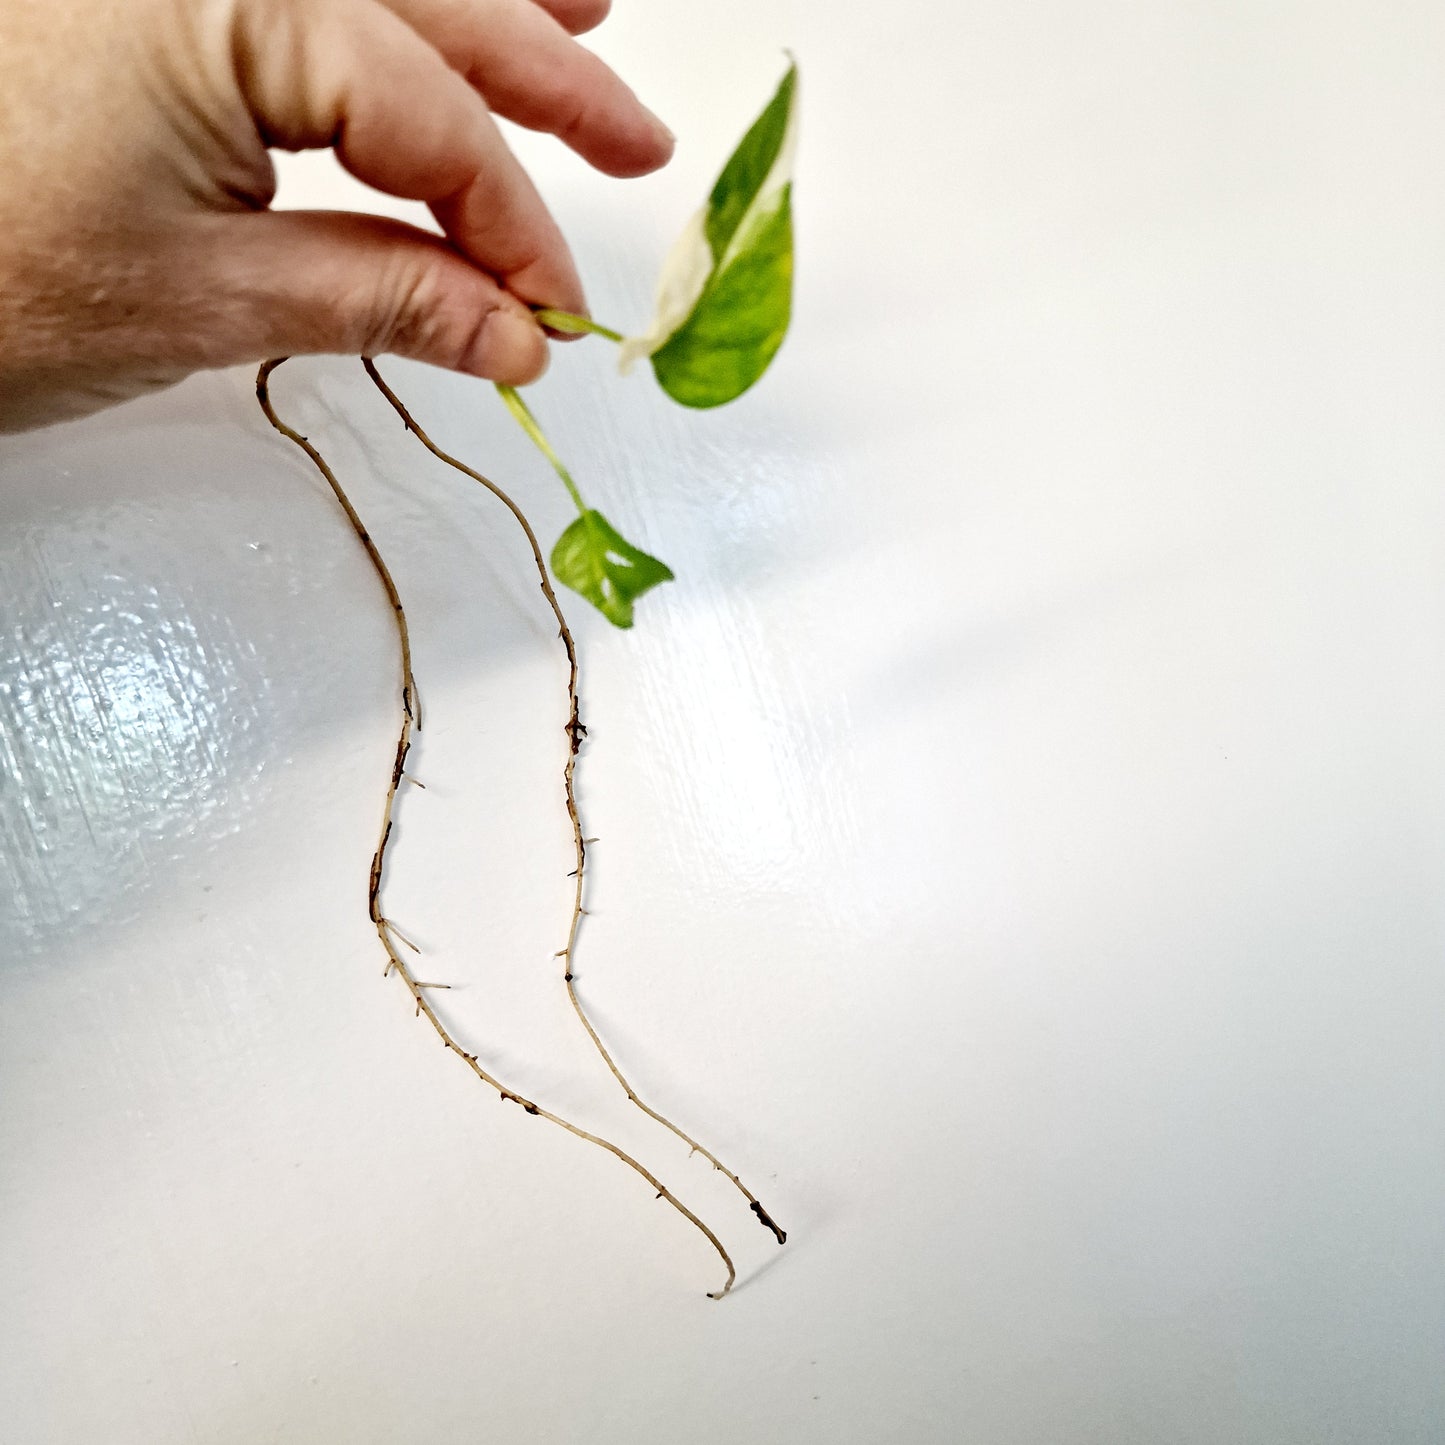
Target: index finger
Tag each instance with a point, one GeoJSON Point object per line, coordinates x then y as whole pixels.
{"type": "Point", "coordinates": [352, 75]}
{"type": "Point", "coordinates": [528, 68]}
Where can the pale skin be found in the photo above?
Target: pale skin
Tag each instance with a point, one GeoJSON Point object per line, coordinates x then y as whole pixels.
{"type": "Point", "coordinates": [136, 243]}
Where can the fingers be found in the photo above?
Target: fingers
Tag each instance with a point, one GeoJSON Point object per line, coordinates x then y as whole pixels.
{"type": "Point", "coordinates": [577, 16]}
{"type": "Point", "coordinates": [222, 289]}
{"type": "Point", "coordinates": [520, 57]}
{"type": "Point", "coordinates": [285, 283]}
{"type": "Point", "coordinates": [353, 75]}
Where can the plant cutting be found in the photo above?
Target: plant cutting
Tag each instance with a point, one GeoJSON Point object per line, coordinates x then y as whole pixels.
{"type": "Point", "coordinates": [722, 310]}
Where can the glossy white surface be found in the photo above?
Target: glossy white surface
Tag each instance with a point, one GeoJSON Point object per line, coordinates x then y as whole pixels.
{"type": "Point", "coordinates": [1023, 823]}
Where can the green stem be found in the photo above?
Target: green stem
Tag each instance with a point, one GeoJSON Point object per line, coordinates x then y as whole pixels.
{"type": "Point", "coordinates": [574, 325]}
{"type": "Point", "coordinates": [519, 409]}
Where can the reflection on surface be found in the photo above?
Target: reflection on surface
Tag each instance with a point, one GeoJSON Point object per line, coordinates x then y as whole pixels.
{"type": "Point", "coordinates": [124, 716]}
{"type": "Point", "coordinates": [180, 614]}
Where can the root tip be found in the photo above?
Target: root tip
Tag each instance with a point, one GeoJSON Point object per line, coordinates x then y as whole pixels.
{"type": "Point", "coordinates": [768, 1222]}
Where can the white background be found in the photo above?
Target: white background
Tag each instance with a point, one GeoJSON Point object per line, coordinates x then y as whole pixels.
{"type": "Point", "coordinates": [1023, 821]}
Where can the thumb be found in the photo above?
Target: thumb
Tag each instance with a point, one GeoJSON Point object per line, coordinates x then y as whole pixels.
{"type": "Point", "coordinates": [290, 283]}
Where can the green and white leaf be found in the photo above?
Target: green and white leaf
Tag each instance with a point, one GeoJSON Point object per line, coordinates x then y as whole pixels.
{"type": "Point", "coordinates": [724, 299]}
{"type": "Point", "coordinates": [593, 558]}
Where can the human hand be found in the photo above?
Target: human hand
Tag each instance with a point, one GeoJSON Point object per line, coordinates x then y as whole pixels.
{"type": "Point", "coordinates": [135, 241]}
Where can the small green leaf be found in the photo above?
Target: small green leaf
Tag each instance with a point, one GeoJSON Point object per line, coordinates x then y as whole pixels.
{"type": "Point", "coordinates": [724, 299]}
{"type": "Point", "coordinates": [593, 558]}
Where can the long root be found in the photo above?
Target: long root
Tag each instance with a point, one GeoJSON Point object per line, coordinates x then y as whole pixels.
{"type": "Point", "coordinates": [386, 931]}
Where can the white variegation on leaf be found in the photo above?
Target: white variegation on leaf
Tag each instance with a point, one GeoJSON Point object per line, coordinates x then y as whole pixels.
{"type": "Point", "coordinates": [684, 274]}
{"type": "Point", "coordinates": [725, 293]}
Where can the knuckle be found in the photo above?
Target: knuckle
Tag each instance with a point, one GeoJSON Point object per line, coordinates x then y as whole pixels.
{"type": "Point", "coordinates": [422, 312]}
{"type": "Point", "coordinates": [406, 308]}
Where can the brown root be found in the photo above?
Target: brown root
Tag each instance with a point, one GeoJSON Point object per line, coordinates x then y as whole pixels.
{"type": "Point", "coordinates": [386, 931]}
{"type": "Point", "coordinates": [575, 731]}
